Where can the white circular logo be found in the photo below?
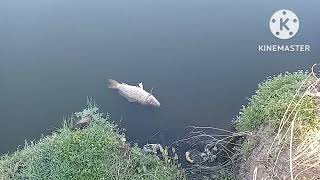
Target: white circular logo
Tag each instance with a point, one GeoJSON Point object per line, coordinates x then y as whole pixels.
{"type": "Point", "coordinates": [284, 24]}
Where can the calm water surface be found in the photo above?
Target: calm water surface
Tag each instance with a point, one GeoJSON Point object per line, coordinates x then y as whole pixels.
{"type": "Point", "coordinates": [199, 56]}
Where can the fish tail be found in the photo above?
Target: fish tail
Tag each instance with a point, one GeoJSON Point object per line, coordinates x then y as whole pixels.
{"type": "Point", "coordinates": [112, 84]}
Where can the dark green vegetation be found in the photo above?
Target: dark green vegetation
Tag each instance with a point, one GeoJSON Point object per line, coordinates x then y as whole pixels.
{"type": "Point", "coordinates": [97, 152]}
{"type": "Point", "coordinates": [271, 101]}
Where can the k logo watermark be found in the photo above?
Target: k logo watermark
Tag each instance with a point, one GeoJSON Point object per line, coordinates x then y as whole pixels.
{"type": "Point", "coordinates": [284, 24]}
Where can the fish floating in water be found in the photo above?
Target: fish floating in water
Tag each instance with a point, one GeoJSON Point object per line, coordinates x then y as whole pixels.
{"type": "Point", "coordinates": [134, 93]}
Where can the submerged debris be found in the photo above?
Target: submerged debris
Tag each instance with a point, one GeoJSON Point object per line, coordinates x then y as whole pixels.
{"type": "Point", "coordinates": [152, 148]}
{"type": "Point", "coordinates": [188, 157]}
{"type": "Point", "coordinates": [210, 151]}
{"type": "Point", "coordinates": [195, 156]}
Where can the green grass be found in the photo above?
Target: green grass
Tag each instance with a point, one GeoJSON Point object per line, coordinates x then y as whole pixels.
{"type": "Point", "coordinates": [272, 99]}
{"type": "Point", "coordinates": [96, 152]}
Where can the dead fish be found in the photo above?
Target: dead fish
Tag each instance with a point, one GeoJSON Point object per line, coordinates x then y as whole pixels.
{"type": "Point", "coordinates": [82, 123]}
{"type": "Point", "coordinates": [134, 93]}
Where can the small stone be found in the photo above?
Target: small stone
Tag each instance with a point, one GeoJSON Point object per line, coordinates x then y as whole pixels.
{"type": "Point", "coordinates": [123, 139]}
{"type": "Point", "coordinates": [215, 148]}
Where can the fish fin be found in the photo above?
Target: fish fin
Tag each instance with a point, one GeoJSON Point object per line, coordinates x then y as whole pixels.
{"type": "Point", "coordinates": [112, 84]}
{"type": "Point", "coordinates": [127, 98]}
{"type": "Point", "coordinates": [141, 85]}
{"type": "Point", "coordinates": [130, 100]}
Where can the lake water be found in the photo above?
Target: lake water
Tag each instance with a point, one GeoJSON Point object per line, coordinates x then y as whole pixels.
{"type": "Point", "coordinates": [199, 56]}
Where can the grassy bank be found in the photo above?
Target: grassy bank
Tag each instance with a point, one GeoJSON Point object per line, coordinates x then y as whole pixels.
{"type": "Point", "coordinates": [272, 100]}
{"type": "Point", "coordinates": [284, 121]}
{"type": "Point", "coordinates": [97, 152]}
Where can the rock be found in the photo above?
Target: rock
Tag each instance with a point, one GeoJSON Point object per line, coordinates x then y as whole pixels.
{"type": "Point", "coordinates": [152, 148]}
{"type": "Point", "coordinates": [82, 123]}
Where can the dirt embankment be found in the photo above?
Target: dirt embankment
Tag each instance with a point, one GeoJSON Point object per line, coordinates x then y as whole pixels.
{"type": "Point", "coordinates": [268, 165]}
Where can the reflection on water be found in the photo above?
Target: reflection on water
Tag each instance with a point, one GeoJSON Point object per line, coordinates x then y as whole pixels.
{"type": "Point", "coordinates": [199, 57]}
